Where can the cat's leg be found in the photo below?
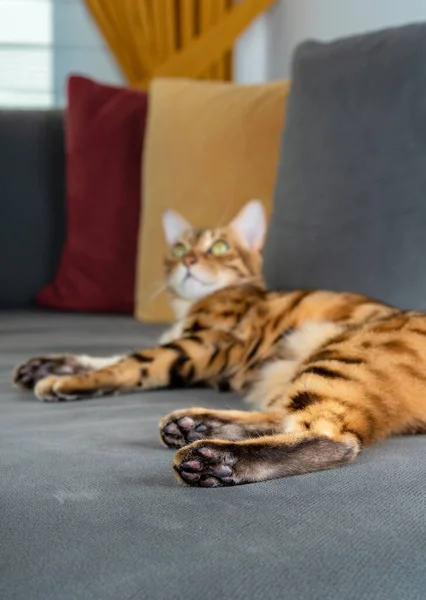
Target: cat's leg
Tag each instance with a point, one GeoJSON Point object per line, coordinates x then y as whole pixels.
{"type": "Point", "coordinates": [27, 375]}
{"type": "Point", "coordinates": [331, 412]}
{"type": "Point", "coordinates": [182, 427]}
{"type": "Point", "coordinates": [218, 463]}
{"type": "Point", "coordinates": [190, 360]}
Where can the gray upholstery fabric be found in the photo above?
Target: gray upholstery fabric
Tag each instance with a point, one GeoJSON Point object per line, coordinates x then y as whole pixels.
{"type": "Point", "coordinates": [32, 206]}
{"type": "Point", "coordinates": [350, 203]}
{"type": "Point", "coordinates": [89, 509]}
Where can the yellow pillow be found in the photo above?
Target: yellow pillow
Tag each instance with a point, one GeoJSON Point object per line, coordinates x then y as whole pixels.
{"type": "Point", "coordinates": [209, 148]}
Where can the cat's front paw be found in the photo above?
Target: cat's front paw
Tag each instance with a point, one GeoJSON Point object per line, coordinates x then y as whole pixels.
{"type": "Point", "coordinates": [64, 389]}
{"type": "Point", "coordinates": [71, 387]}
{"type": "Point", "coordinates": [27, 375]}
{"type": "Point", "coordinates": [53, 389]}
{"type": "Point", "coordinates": [207, 464]}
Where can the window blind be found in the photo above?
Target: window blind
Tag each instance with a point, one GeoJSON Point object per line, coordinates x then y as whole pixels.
{"type": "Point", "coordinates": [41, 43]}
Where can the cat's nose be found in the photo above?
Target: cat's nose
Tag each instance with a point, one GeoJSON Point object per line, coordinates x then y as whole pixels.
{"type": "Point", "coordinates": [189, 259]}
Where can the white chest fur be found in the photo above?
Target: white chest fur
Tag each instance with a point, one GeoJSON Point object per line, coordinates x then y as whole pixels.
{"type": "Point", "coordinates": [303, 341]}
{"type": "Point", "coordinates": [275, 377]}
{"type": "Point", "coordinates": [180, 308]}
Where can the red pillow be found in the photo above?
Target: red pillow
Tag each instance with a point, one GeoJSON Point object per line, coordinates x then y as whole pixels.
{"type": "Point", "coordinates": [105, 128]}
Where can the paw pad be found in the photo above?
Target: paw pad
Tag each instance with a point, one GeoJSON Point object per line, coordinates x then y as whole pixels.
{"type": "Point", "coordinates": [206, 465]}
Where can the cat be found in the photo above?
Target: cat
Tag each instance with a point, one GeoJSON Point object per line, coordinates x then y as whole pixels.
{"type": "Point", "coordinates": [329, 372]}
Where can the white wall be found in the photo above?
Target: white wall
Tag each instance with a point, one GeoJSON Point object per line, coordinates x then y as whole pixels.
{"type": "Point", "coordinates": [265, 51]}
{"type": "Point", "coordinates": [251, 57]}
{"type": "Point", "coordinates": [253, 51]}
{"type": "Point", "coordinates": [79, 48]}
{"type": "Point", "coordinates": [328, 19]}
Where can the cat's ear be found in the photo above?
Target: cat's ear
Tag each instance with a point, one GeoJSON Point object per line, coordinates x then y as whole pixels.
{"type": "Point", "coordinates": [250, 224]}
{"type": "Point", "coordinates": [174, 226]}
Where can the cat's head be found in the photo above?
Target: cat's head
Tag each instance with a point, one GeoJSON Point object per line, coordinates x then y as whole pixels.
{"type": "Point", "coordinates": [202, 261]}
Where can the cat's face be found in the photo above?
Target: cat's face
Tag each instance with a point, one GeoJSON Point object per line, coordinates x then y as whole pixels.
{"type": "Point", "coordinates": [202, 261]}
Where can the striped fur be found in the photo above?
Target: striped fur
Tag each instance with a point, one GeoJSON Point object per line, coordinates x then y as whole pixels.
{"type": "Point", "coordinates": [328, 372]}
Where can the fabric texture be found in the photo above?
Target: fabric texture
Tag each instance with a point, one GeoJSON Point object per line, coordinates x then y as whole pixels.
{"type": "Point", "coordinates": [210, 147]}
{"type": "Point", "coordinates": [350, 208]}
{"type": "Point", "coordinates": [90, 509]}
{"type": "Point", "coordinates": [32, 206]}
{"type": "Point", "coordinates": [104, 139]}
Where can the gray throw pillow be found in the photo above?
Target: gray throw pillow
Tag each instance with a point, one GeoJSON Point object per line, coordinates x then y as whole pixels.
{"type": "Point", "coordinates": [350, 202]}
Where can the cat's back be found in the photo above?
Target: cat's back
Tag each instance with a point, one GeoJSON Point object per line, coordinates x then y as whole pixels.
{"type": "Point", "coordinates": [233, 306]}
{"type": "Point", "coordinates": [301, 306]}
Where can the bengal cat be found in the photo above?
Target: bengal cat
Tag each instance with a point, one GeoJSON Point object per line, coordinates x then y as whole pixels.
{"type": "Point", "coordinates": [329, 372]}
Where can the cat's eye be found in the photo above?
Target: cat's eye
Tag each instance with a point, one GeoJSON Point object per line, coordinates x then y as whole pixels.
{"type": "Point", "coordinates": [219, 247]}
{"type": "Point", "coordinates": [179, 250]}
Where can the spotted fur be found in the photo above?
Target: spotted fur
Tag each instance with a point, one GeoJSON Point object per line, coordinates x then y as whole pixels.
{"type": "Point", "coordinates": [329, 372]}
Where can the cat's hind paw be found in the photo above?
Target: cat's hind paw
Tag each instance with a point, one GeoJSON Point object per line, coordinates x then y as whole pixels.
{"type": "Point", "coordinates": [179, 429]}
{"type": "Point", "coordinates": [207, 464]}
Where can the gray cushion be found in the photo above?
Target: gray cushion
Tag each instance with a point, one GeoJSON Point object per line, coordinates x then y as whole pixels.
{"type": "Point", "coordinates": [32, 205]}
{"type": "Point", "coordinates": [350, 202]}
{"type": "Point", "coordinates": [90, 510]}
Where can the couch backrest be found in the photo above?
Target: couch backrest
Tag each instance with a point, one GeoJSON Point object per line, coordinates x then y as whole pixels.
{"type": "Point", "coordinates": [32, 206]}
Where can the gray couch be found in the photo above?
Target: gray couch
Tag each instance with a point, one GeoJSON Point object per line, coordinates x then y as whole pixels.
{"type": "Point", "coordinates": [89, 508]}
